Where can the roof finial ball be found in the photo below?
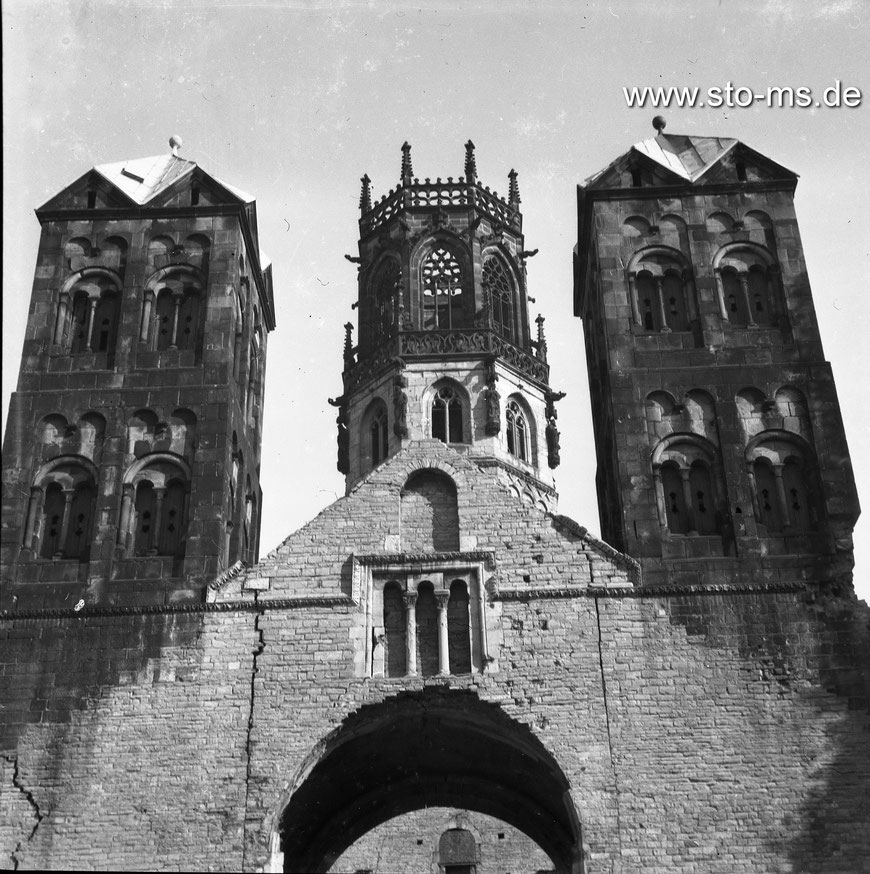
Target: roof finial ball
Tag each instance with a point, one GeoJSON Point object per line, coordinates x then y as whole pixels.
{"type": "Point", "coordinates": [659, 123]}
{"type": "Point", "coordinates": [175, 143]}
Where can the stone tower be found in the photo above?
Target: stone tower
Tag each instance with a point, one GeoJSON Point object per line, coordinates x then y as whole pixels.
{"type": "Point", "coordinates": [445, 350]}
{"type": "Point", "coordinates": [721, 452]}
{"type": "Point", "coordinates": [131, 458]}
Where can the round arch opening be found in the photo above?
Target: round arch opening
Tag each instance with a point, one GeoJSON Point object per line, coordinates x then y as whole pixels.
{"type": "Point", "coordinates": [436, 748]}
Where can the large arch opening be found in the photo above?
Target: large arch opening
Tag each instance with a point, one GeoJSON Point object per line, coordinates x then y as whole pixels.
{"type": "Point", "coordinates": [435, 748]}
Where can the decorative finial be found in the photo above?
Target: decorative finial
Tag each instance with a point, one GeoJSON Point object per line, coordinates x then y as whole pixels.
{"type": "Point", "coordinates": [175, 144]}
{"type": "Point", "coordinates": [407, 169]}
{"type": "Point", "coordinates": [365, 197]}
{"type": "Point", "coordinates": [542, 340]}
{"type": "Point", "coordinates": [470, 163]}
{"type": "Point", "coordinates": [514, 190]}
{"type": "Point", "coordinates": [659, 123]}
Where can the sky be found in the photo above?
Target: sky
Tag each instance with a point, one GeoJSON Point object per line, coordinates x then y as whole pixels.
{"type": "Point", "coordinates": [295, 101]}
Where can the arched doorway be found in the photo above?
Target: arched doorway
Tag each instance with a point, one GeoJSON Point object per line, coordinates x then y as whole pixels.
{"type": "Point", "coordinates": [435, 748]}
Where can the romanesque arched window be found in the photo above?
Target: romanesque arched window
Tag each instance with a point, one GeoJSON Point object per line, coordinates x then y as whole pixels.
{"type": "Point", "coordinates": [63, 499]}
{"type": "Point", "coordinates": [687, 485]}
{"type": "Point", "coordinates": [785, 483]}
{"type": "Point", "coordinates": [748, 285]}
{"type": "Point", "coordinates": [499, 291]}
{"type": "Point", "coordinates": [448, 415]}
{"type": "Point", "coordinates": [517, 431]}
{"type": "Point", "coordinates": [154, 507]}
{"type": "Point", "coordinates": [429, 513]}
{"type": "Point", "coordinates": [172, 308]}
{"type": "Point", "coordinates": [661, 290]}
{"type": "Point", "coordinates": [441, 277]}
{"type": "Point", "coordinates": [87, 317]}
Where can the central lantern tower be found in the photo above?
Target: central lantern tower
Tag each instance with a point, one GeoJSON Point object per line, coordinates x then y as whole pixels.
{"type": "Point", "coordinates": [445, 349]}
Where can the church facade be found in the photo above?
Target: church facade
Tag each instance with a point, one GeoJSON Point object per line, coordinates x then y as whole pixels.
{"type": "Point", "coordinates": [439, 672]}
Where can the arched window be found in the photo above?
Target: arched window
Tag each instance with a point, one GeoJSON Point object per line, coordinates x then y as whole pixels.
{"type": "Point", "coordinates": [69, 494]}
{"type": "Point", "coordinates": [687, 489]}
{"type": "Point", "coordinates": [458, 630]}
{"type": "Point", "coordinates": [457, 851]}
{"type": "Point", "coordinates": [386, 289]}
{"type": "Point", "coordinates": [675, 501]}
{"type": "Point", "coordinates": [53, 512]}
{"type": "Point", "coordinates": [429, 513]}
{"type": "Point", "coordinates": [447, 424]}
{"type": "Point", "coordinates": [499, 290]}
{"type": "Point", "coordinates": [378, 436]}
{"type": "Point", "coordinates": [395, 654]}
{"type": "Point", "coordinates": [517, 431]}
{"type": "Point", "coordinates": [442, 290]}
{"type": "Point", "coordinates": [769, 506]}
{"type": "Point", "coordinates": [661, 290]}
{"type": "Point", "coordinates": [146, 511]}
{"type": "Point", "coordinates": [746, 275]}
{"type": "Point", "coordinates": [785, 480]}
{"type": "Point", "coordinates": [701, 489]}
{"type": "Point", "coordinates": [87, 316]}
{"type": "Point", "coordinates": [154, 509]}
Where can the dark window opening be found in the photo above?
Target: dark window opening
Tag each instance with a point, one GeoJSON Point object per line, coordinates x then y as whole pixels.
{"type": "Point", "coordinates": [447, 416]}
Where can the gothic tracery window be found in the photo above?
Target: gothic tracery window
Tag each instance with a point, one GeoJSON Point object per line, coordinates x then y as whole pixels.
{"type": "Point", "coordinates": [517, 431]}
{"type": "Point", "coordinates": [447, 416]}
{"type": "Point", "coordinates": [387, 288]}
{"type": "Point", "coordinates": [499, 289]}
{"type": "Point", "coordinates": [442, 290]}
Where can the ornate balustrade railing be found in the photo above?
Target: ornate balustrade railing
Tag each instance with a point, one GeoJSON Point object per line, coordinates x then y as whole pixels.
{"type": "Point", "coordinates": [422, 344]}
{"type": "Point", "coordinates": [429, 195]}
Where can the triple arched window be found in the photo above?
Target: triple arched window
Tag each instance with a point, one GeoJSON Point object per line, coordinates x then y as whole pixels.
{"type": "Point", "coordinates": [426, 627]}
{"type": "Point", "coordinates": [661, 290]}
{"type": "Point", "coordinates": [87, 316]}
{"type": "Point", "coordinates": [60, 516]}
{"type": "Point", "coordinates": [154, 507]}
{"type": "Point", "coordinates": [747, 282]}
{"type": "Point", "coordinates": [785, 489]}
{"type": "Point", "coordinates": [171, 313]}
{"type": "Point", "coordinates": [687, 489]}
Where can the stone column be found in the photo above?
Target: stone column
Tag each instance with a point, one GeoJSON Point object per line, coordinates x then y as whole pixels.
{"type": "Point", "coordinates": [68, 495]}
{"type": "Point", "coordinates": [410, 599]}
{"type": "Point", "coordinates": [92, 309]}
{"type": "Point", "coordinates": [32, 510]}
{"type": "Point", "coordinates": [442, 596]}
{"type": "Point", "coordinates": [176, 306]}
{"type": "Point", "coordinates": [744, 291]}
{"type": "Point", "coordinates": [146, 316]}
{"type": "Point", "coordinates": [781, 496]}
{"type": "Point", "coordinates": [62, 310]}
{"type": "Point", "coordinates": [159, 494]}
{"type": "Point", "coordinates": [632, 293]}
{"type": "Point", "coordinates": [660, 300]}
{"type": "Point", "coordinates": [687, 500]}
{"type": "Point", "coordinates": [126, 510]}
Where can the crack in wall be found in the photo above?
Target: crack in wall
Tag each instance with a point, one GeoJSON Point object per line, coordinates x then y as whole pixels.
{"type": "Point", "coordinates": [257, 652]}
{"type": "Point", "coordinates": [37, 813]}
{"type": "Point", "coordinates": [607, 721]}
